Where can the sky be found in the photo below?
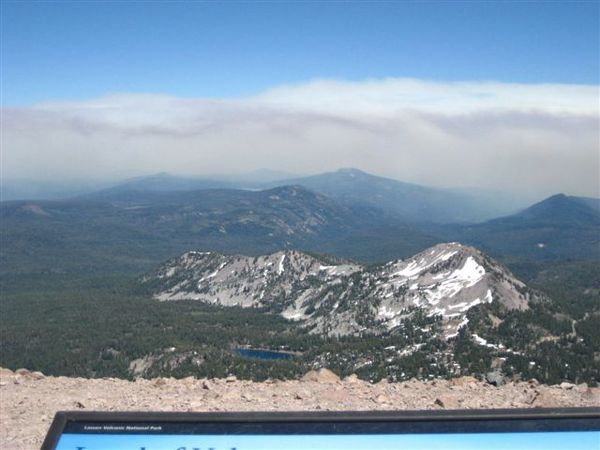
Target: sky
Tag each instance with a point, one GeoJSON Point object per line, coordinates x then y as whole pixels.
{"type": "Point", "coordinates": [497, 95]}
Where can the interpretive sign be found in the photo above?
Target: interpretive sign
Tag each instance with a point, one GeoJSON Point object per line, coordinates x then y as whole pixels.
{"type": "Point", "coordinates": [549, 429]}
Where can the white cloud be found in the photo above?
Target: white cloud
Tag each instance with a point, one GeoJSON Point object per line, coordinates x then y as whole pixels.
{"type": "Point", "coordinates": [389, 96]}
{"type": "Point", "coordinates": [535, 139]}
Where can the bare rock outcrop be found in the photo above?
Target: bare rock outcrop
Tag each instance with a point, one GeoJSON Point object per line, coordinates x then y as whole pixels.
{"type": "Point", "coordinates": [28, 400]}
{"type": "Point", "coordinates": [321, 376]}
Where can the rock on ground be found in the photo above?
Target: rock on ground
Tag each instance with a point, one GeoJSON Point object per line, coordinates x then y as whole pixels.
{"type": "Point", "coordinates": [28, 400]}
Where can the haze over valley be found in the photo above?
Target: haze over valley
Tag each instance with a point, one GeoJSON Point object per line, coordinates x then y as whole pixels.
{"type": "Point", "coordinates": [346, 255]}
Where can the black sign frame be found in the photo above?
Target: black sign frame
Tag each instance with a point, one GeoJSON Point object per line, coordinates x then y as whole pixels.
{"type": "Point", "coordinates": [353, 422]}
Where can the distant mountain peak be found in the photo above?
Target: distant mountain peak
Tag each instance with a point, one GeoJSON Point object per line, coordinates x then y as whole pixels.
{"type": "Point", "coordinates": [560, 208]}
{"type": "Point", "coordinates": [405, 201]}
{"type": "Point", "coordinates": [559, 196]}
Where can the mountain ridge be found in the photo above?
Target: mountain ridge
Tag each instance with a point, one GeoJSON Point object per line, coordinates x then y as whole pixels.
{"type": "Point", "coordinates": [559, 227]}
{"type": "Point", "coordinates": [571, 209]}
{"type": "Point", "coordinates": [340, 297]}
{"type": "Point", "coordinates": [406, 201]}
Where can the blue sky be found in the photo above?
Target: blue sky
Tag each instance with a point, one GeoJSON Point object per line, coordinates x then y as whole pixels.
{"type": "Point", "coordinates": [79, 50]}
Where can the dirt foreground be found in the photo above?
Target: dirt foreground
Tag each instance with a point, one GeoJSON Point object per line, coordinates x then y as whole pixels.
{"type": "Point", "coordinates": [28, 400]}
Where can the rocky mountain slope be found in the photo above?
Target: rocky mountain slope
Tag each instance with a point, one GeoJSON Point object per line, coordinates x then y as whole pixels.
{"type": "Point", "coordinates": [338, 297]}
{"type": "Point", "coordinates": [30, 400]}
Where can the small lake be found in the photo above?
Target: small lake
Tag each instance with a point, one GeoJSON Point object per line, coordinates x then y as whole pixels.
{"type": "Point", "coordinates": [262, 354]}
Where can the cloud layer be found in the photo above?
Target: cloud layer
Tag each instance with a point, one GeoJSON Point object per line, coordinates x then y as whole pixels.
{"type": "Point", "coordinates": [531, 139]}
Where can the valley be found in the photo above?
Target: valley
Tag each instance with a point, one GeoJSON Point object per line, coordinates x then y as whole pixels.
{"type": "Point", "coordinates": [150, 280]}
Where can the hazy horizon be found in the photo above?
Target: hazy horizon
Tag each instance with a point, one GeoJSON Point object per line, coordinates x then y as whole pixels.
{"type": "Point", "coordinates": [530, 139]}
{"type": "Point", "coordinates": [495, 96]}
{"type": "Point", "coordinates": [28, 189]}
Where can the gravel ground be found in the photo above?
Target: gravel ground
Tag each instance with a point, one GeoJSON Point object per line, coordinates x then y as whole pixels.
{"type": "Point", "coordinates": [28, 400]}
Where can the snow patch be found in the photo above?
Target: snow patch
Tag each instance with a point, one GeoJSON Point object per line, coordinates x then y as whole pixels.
{"type": "Point", "coordinates": [280, 269]}
{"type": "Point", "coordinates": [447, 256]}
{"type": "Point", "coordinates": [386, 313]}
{"type": "Point", "coordinates": [214, 274]}
{"type": "Point", "coordinates": [470, 273]}
{"type": "Point", "coordinates": [483, 342]}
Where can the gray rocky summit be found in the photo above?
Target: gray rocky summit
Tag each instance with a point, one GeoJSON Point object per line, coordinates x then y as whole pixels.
{"type": "Point", "coordinates": [339, 297]}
